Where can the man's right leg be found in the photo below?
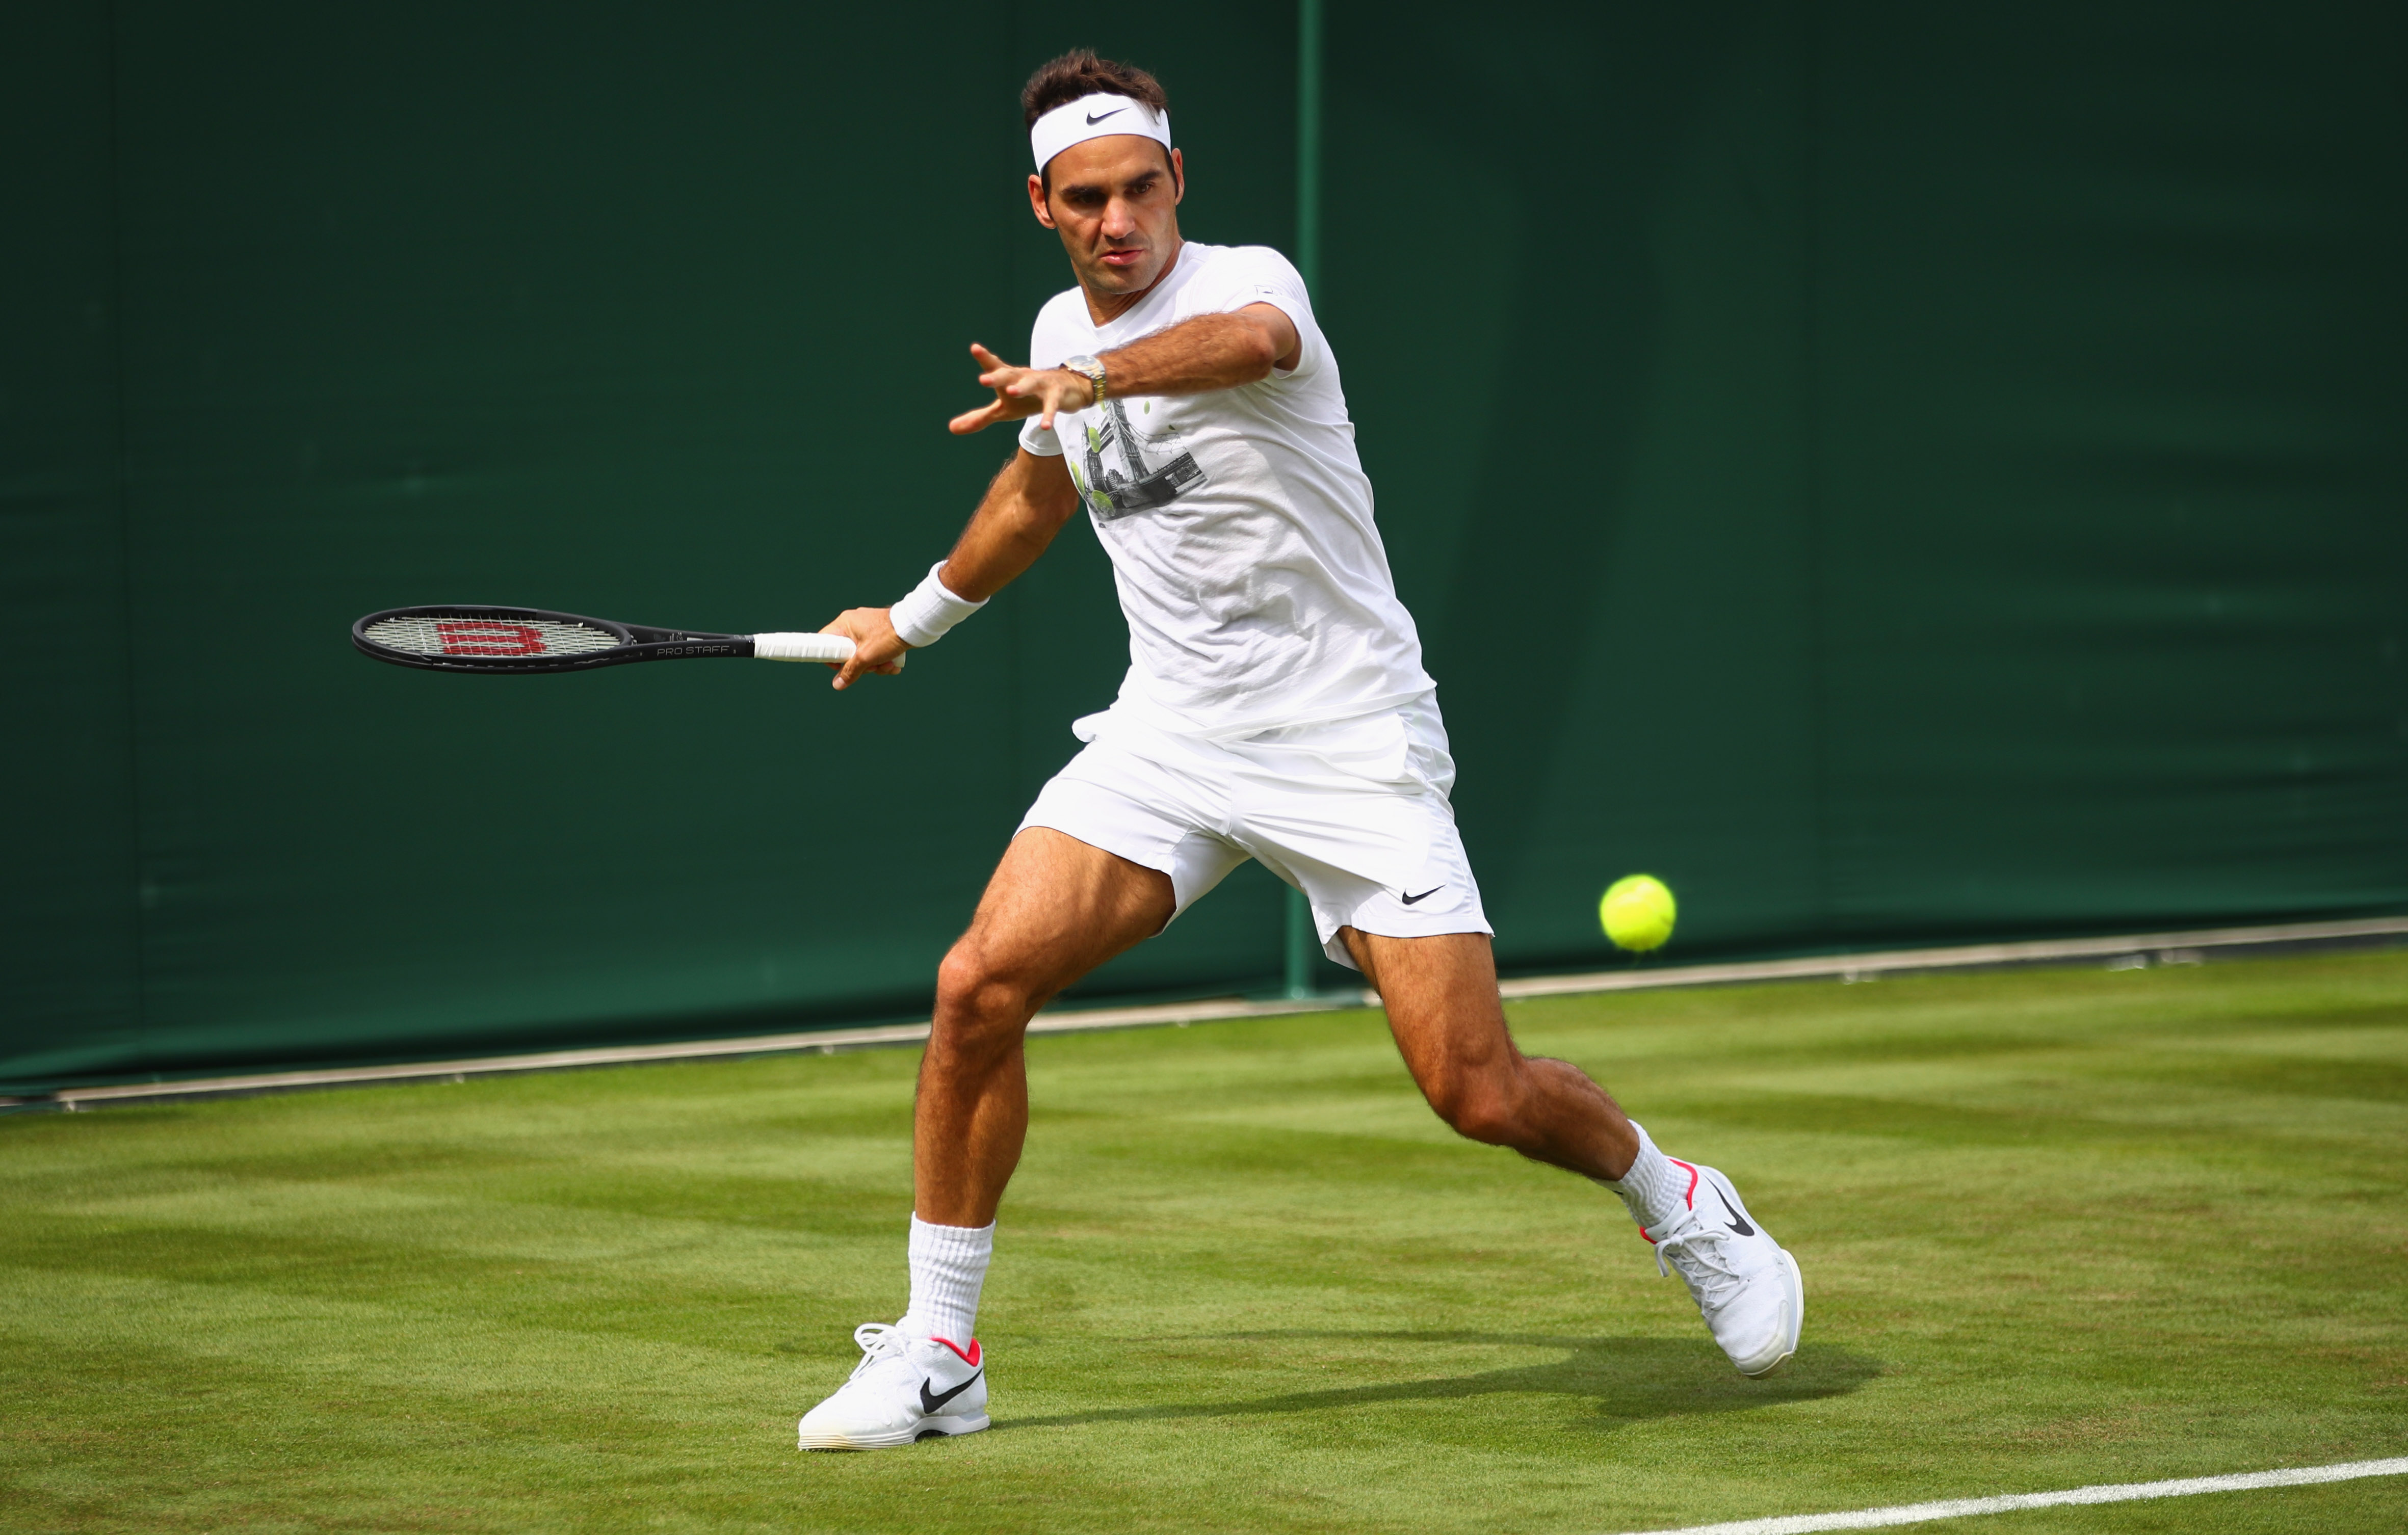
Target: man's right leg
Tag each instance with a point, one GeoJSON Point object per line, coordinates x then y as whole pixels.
{"type": "Point", "coordinates": [1055, 909]}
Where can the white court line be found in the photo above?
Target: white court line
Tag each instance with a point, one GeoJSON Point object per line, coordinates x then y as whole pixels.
{"type": "Point", "coordinates": [2126, 1492]}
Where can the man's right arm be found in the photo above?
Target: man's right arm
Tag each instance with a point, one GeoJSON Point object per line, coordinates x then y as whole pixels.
{"type": "Point", "coordinates": [1025, 505]}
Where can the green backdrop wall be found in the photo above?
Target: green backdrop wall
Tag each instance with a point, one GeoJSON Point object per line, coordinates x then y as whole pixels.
{"type": "Point", "coordinates": [1901, 473]}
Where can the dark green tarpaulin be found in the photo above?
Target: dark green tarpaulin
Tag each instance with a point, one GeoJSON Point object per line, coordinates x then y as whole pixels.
{"type": "Point", "coordinates": [1901, 473]}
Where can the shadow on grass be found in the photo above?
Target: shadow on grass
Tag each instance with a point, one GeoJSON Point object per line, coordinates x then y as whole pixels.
{"type": "Point", "coordinates": [1630, 1379]}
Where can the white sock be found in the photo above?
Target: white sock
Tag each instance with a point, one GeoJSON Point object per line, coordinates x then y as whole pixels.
{"type": "Point", "coordinates": [1654, 1189]}
{"type": "Point", "coordinates": [948, 1268]}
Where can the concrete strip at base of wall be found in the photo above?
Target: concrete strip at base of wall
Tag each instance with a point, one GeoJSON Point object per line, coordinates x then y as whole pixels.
{"type": "Point", "coordinates": [2131, 951]}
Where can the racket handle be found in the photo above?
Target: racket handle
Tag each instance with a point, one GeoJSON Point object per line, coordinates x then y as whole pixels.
{"type": "Point", "coordinates": [801, 647]}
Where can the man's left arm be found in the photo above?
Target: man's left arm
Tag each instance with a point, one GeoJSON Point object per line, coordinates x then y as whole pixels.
{"type": "Point", "coordinates": [1208, 353]}
{"type": "Point", "coordinates": [1193, 357]}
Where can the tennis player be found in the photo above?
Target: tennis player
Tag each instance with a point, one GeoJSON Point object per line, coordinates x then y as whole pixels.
{"type": "Point", "coordinates": [1275, 708]}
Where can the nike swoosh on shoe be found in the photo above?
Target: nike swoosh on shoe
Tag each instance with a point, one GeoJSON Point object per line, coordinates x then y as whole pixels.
{"type": "Point", "coordinates": [929, 1404]}
{"type": "Point", "coordinates": [1738, 1221]}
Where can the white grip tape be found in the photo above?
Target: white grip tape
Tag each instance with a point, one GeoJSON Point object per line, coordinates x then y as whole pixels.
{"type": "Point", "coordinates": [801, 647]}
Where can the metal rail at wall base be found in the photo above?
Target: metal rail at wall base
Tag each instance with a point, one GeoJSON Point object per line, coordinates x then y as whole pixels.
{"type": "Point", "coordinates": [2131, 951]}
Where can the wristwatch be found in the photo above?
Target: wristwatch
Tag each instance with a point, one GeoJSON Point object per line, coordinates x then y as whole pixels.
{"type": "Point", "coordinates": [1090, 369]}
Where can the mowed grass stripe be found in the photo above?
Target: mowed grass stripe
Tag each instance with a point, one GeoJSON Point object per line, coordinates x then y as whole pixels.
{"type": "Point", "coordinates": [2059, 1229]}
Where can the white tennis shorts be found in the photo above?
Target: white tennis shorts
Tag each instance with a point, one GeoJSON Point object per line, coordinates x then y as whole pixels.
{"type": "Point", "coordinates": [1353, 812]}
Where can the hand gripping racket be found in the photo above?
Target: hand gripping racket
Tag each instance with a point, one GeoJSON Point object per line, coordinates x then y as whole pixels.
{"type": "Point", "coordinates": [470, 637]}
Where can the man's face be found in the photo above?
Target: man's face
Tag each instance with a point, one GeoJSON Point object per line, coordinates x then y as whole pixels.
{"type": "Point", "coordinates": [1115, 204]}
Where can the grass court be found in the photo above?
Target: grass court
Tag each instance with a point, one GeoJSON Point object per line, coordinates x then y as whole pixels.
{"type": "Point", "coordinates": [2059, 1228]}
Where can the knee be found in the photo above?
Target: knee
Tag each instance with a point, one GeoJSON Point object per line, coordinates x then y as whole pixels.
{"type": "Point", "coordinates": [1480, 1108]}
{"type": "Point", "coordinates": [977, 1005]}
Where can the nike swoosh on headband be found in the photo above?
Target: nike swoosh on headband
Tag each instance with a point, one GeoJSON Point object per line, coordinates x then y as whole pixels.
{"type": "Point", "coordinates": [1093, 120]}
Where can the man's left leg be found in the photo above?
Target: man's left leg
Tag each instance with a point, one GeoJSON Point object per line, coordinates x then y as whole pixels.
{"type": "Point", "coordinates": [1440, 992]}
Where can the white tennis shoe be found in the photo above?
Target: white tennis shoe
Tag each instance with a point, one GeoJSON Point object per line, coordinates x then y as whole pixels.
{"type": "Point", "coordinates": [904, 1390]}
{"type": "Point", "coordinates": [1746, 1287]}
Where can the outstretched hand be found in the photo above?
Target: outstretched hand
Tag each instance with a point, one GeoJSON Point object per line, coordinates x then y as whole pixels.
{"type": "Point", "coordinates": [1023, 391]}
{"type": "Point", "coordinates": [876, 646]}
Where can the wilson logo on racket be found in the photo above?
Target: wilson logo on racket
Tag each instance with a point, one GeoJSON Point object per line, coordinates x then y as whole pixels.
{"type": "Point", "coordinates": [482, 636]}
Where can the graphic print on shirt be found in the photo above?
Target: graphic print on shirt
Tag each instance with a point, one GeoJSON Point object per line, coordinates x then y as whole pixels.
{"type": "Point", "coordinates": [1115, 490]}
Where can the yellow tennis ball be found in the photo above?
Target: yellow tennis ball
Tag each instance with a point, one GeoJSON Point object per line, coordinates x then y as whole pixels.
{"type": "Point", "coordinates": [1636, 913]}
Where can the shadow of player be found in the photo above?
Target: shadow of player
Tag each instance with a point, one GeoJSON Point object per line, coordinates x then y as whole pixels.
{"type": "Point", "coordinates": [1630, 1379]}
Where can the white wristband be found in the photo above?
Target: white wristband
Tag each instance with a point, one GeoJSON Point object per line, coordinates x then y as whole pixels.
{"type": "Point", "coordinates": [923, 616]}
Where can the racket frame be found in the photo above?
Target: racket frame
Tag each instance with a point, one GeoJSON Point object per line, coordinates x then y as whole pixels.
{"type": "Point", "coordinates": [637, 642]}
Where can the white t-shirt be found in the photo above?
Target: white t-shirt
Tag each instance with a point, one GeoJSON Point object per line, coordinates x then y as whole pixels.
{"type": "Point", "coordinates": [1238, 521]}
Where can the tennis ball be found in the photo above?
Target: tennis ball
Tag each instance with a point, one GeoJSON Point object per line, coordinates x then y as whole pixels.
{"type": "Point", "coordinates": [1636, 913]}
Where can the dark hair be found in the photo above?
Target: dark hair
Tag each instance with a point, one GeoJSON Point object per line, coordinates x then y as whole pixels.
{"type": "Point", "coordinates": [1079, 73]}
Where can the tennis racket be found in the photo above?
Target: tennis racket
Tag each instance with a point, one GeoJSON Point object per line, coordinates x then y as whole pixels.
{"type": "Point", "coordinates": [470, 637]}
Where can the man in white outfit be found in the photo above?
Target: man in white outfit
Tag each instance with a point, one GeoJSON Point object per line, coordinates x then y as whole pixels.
{"type": "Point", "coordinates": [1275, 708]}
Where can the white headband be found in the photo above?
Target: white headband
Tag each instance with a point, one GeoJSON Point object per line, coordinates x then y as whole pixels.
{"type": "Point", "coordinates": [1094, 117]}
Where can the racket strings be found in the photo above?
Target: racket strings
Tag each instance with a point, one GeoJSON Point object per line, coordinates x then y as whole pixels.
{"type": "Point", "coordinates": [433, 633]}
